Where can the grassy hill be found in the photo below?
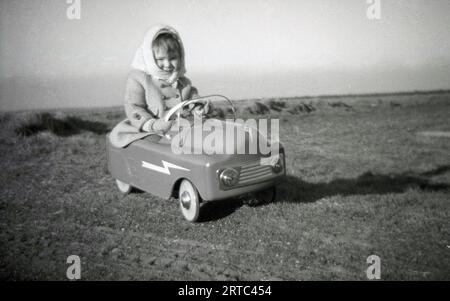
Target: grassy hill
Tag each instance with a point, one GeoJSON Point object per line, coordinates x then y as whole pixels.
{"type": "Point", "coordinates": [366, 176]}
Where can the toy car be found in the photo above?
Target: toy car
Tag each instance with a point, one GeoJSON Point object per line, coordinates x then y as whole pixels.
{"type": "Point", "coordinates": [150, 165]}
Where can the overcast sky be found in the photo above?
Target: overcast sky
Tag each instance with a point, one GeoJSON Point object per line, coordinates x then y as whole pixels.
{"type": "Point", "coordinates": [239, 37]}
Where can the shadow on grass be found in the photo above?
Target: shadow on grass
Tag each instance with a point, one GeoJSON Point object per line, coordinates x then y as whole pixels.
{"type": "Point", "coordinates": [211, 211]}
{"type": "Point", "coordinates": [67, 126]}
{"type": "Point", "coordinates": [297, 191]}
{"type": "Point", "coordinates": [294, 190]}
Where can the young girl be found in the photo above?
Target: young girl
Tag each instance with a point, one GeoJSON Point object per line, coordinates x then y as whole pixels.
{"type": "Point", "coordinates": [156, 84]}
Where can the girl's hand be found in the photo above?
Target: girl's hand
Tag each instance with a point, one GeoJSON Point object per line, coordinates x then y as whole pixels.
{"type": "Point", "coordinates": [161, 126]}
{"type": "Point", "coordinates": [158, 125]}
{"type": "Point", "coordinates": [201, 111]}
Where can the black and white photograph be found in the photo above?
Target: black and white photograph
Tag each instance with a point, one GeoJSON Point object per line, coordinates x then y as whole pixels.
{"type": "Point", "coordinates": [207, 141]}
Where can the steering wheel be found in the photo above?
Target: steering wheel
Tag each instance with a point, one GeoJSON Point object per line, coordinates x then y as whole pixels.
{"type": "Point", "coordinates": [185, 103]}
{"type": "Point", "coordinates": [178, 108]}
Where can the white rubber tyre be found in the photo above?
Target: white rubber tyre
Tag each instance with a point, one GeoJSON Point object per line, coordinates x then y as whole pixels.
{"type": "Point", "coordinates": [189, 200]}
{"type": "Point", "coordinates": [123, 187]}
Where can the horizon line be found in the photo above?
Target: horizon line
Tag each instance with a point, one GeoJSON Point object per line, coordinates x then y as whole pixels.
{"type": "Point", "coordinates": [408, 92]}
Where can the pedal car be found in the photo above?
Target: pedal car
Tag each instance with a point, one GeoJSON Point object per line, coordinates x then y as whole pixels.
{"type": "Point", "coordinates": [151, 165]}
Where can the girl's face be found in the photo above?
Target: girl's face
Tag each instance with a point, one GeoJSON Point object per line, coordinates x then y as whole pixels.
{"type": "Point", "coordinates": [167, 60]}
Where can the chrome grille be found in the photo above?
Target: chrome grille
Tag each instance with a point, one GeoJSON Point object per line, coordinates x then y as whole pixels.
{"type": "Point", "coordinates": [254, 172]}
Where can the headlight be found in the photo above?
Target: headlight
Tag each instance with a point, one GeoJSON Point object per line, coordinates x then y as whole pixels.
{"type": "Point", "coordinates": [278, 166]}
{"type": "Point", "coordinates": [229, 177]}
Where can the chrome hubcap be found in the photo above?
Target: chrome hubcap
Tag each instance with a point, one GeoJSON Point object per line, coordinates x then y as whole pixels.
{"type": "Point", "coordinates": [185, 199]}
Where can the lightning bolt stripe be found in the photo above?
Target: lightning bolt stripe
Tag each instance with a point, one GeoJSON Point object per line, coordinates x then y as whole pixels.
{"type": "Point", "coordinates": [163, 169]}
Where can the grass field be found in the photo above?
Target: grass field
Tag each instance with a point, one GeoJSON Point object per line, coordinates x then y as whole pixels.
{"type": "Point", "coordinates": [366, 176]}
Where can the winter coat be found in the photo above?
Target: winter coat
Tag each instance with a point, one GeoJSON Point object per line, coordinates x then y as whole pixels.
{"type": "Point", "coordinates": [147, 98]}
{"type": "Point", "coordinates": [148, 94]}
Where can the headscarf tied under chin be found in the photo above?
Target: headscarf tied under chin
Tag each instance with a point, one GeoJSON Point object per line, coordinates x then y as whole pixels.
{"type": "Point", "coordinates": [144, 60]}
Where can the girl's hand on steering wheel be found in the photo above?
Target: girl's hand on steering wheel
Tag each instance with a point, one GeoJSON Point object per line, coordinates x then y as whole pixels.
{"type": "Point", "coordinates": [160, 126]}
{"type": "Point", "coordinates": [201, 110]}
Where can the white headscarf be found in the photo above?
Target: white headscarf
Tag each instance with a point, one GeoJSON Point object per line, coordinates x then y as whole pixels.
{"type": "Point", "coordinates": [144, 60]}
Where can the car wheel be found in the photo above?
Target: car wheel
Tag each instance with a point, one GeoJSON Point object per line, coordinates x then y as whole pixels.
{"type": "Point", "coordinates": [189, 201]}
{"type": "Point", "coordinates": [261, 197]}
{"type": "Point", "coordinates": [123, 187]}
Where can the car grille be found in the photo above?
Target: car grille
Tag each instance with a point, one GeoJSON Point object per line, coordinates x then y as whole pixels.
{"type": "Point", "coordinates": [254, 172]}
